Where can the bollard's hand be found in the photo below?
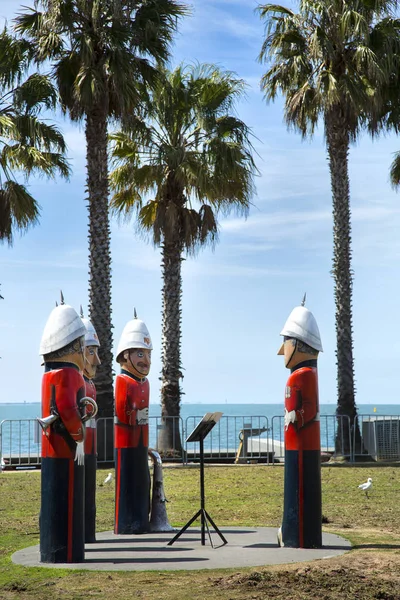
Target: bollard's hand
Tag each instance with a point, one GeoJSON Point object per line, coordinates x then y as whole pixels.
{"type": "Point", "coordinates": [80, 453]}
{"type": "Point", "coordinates": [290, 417]}
{"type": "Point", "coordinates": [142, 416]}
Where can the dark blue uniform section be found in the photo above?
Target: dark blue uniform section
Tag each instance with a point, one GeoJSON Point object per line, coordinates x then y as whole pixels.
{"type": "Point", "coordinates": [62, 536]}
{"type": "Point", "coordinates": [310, 502]}
{"type": "Point", "coordinates": [290, 521]}
{"type": "Point", "coordinates": [312, 514]}
{"type": "Point", "coordinates": [133, 484]}
{"type": "Point", "coordinates": [90, 498]}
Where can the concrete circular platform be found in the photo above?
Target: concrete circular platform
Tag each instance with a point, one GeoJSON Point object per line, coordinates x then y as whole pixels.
{"type": "Point", "coordinates": [246, 547]}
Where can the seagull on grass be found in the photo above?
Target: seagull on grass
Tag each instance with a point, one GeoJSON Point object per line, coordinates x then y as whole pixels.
{"type": "Point", "coordinates": [108, 479]}
{"type": "Point", "coordinates": [366, 486]}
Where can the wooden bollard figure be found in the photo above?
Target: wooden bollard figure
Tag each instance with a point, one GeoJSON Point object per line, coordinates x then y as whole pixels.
{"type": "Point", "coordinates": [91, 362]}
{"type": "Point", "coordinates": [62, 535]}
{"type": "Point", "coordinates": [302, 511]}
{"type": "Point", "coordinates": [131, 439]}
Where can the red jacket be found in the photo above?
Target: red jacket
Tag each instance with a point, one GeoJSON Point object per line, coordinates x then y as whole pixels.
{"type": "Point", "coordinates": [62, 390]}
{"type": "Point", "coordinates": [90, 425]}
{"type": "Point", "coordinates": [131, 395]}
{"type": "Point", "coordinates": [301, 395]}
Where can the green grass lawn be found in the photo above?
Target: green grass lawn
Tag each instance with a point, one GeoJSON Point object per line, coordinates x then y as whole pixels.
{"type": "Point", "coordinates": [239, 495]}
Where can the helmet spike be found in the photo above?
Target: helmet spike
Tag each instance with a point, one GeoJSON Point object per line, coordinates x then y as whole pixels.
{"type": "Point", "coordinates": [62, 297]}
{"type": "Point", "coordinates": [304, 299]}
{"type": "Point", "coordinates": [81, 315]}
{"type": "Point", "coordinates": [134, 313]}
{"type": "Point", "coordinates": [56, 303]}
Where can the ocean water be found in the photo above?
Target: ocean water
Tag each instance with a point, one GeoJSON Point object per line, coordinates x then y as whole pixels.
{"type": "Point", "coordinates": [20, 432]}
{"type": "Point", "coordinates": [31, 410]}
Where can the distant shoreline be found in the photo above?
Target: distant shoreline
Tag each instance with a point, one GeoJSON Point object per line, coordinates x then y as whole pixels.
{"type": "Point", "coordinates": [221, 403]}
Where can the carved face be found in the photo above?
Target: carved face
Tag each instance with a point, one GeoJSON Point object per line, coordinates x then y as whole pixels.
{"type": "Point", "coordinates": [92, 360]}
{"type": "Point", "coordinates": [295, 351]}
{"type": "Point", "coordinates": [138, 361]}
{"type": "Point", "coordinates": [289, 352]}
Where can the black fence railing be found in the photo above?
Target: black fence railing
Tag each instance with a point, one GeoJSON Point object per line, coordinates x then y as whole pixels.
{"type": "Point", "coordinates": [234, 439]}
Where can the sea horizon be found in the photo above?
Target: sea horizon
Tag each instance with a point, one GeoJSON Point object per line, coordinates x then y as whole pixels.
{"type": "Point", "coordinates": [223, 403]}
{"type": "Point", "coordinates": [19, 430]}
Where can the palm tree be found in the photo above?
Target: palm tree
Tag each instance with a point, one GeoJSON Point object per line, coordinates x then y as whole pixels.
{"type": "Point", "coordinates": [395, 171]}
{"type": "Point", "coordinates": [390, 119]}
{"type": "Point", "coordinates": [187, 161]}
{"type": "Point", "coordinates": [330, 61]}
{"type": "Point", "coordinates": [27, 144]}
{"type": "Point", "coordinates": [100, 52]}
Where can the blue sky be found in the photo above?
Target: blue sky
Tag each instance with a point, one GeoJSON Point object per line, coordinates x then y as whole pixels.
{"type": "Point", "coordinates": [237, 298]}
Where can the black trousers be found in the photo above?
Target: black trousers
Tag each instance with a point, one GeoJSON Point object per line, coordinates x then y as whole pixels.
{"type": "Point", "coordinates": [62, 530]}
{"type": "Point", "coordinates": [132, 490]}
{"type": "Point", "coordinates": [302, 512]}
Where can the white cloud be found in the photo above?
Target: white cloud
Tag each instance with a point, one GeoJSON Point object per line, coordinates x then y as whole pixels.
{"type": "Point", "coordinates": [194, 268]}
{"type": "Point", "coordinates": [221, 18]}
{"type": "Point", "coordinates": [256, 224]}
{"type": "Point", "coordinates": [129, 249]}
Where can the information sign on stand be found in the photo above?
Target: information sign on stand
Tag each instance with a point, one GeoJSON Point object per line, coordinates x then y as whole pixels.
{"type": "Point", "coordinates": [198, 434]}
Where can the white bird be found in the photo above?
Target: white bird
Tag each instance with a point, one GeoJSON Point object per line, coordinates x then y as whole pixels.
{"type": "Point", "coordinates": [366, 486]}
{"type": "Point", "coordinates": [108, 478]}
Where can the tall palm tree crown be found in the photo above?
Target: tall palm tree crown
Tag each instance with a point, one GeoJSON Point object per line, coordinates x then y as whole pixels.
{"type": "Point", "coordinates": [100, 52]}
{"type": "Point", "coordinates": [188, 160]}
{"type": "Point", "coordinates": [28, 144]}
{"type": "Point", "coordinates": [330, 61]}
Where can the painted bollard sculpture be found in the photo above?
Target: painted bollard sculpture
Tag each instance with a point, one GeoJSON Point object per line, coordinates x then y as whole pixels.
{"type": "Point", "coordinates": [62, 535]}
{"type": "Point", "coordinates": [131, 430]}
{"type": "Point", "coordinates": [91, 361]}
{"type": "Point", "coordinates": [302, 511]}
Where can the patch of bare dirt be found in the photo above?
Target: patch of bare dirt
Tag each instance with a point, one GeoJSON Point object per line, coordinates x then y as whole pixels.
{"type": "Point", "coordinates": [362, 576]}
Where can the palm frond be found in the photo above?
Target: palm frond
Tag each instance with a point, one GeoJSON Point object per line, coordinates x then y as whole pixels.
{"type": "Point", "coordinates": [126, 203]}
{"type": "Point", "coordinates": [35, 93]}
{"type": "Point", "coordinates": [30, 160]}
{"type": "Point", "coordinates": [18, 210]}
{"type": "Point", "coordinates": [208, 230]}
{"type": "Point", "coordinates": [395, 171]}
{"type": "Point", "coordinates": [14, 59]}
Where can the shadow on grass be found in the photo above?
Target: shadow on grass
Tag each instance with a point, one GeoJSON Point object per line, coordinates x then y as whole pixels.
{"type": "Point", "coordinates": [325, 547]}
{"type": "Point", "coordinates": [376, 546]}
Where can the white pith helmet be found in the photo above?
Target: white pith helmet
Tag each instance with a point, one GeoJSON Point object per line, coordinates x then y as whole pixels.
{"type": "Point", "coordinates": [302, 325]}
{"type": "Point", "coordinates": [63, 326]}
{"type": "Point", "coordinates": [91, 338]}
{"type": "Point", "coordinates": [134, 335]}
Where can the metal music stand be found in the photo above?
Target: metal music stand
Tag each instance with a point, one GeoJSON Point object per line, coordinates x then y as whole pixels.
{"type": "Point", "coordinates": [198, 434]}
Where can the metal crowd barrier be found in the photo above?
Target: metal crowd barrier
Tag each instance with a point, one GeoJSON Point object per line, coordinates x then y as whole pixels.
{"type": "Point", "coordinates": [329, 424]}
{"type": "Point", "coordinates": [105, 430]}
{"type": "Point", "coordinates": [380, 437]}
{"type": "Point", "coordinates": [234, 439]}
{"type": "Point", "coordinates": [20, 442]}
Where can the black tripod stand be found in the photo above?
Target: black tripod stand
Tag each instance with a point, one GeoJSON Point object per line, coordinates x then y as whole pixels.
{"type": "Point", "coordinates": [198, 435]}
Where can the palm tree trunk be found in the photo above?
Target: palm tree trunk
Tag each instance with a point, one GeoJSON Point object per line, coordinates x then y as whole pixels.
{"type": "Point", "coordinates": [169, 439]}
{"type": "Point", "coordinates": [338, 148]}
{"type": "Point", "coordinates": [100, 265]}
